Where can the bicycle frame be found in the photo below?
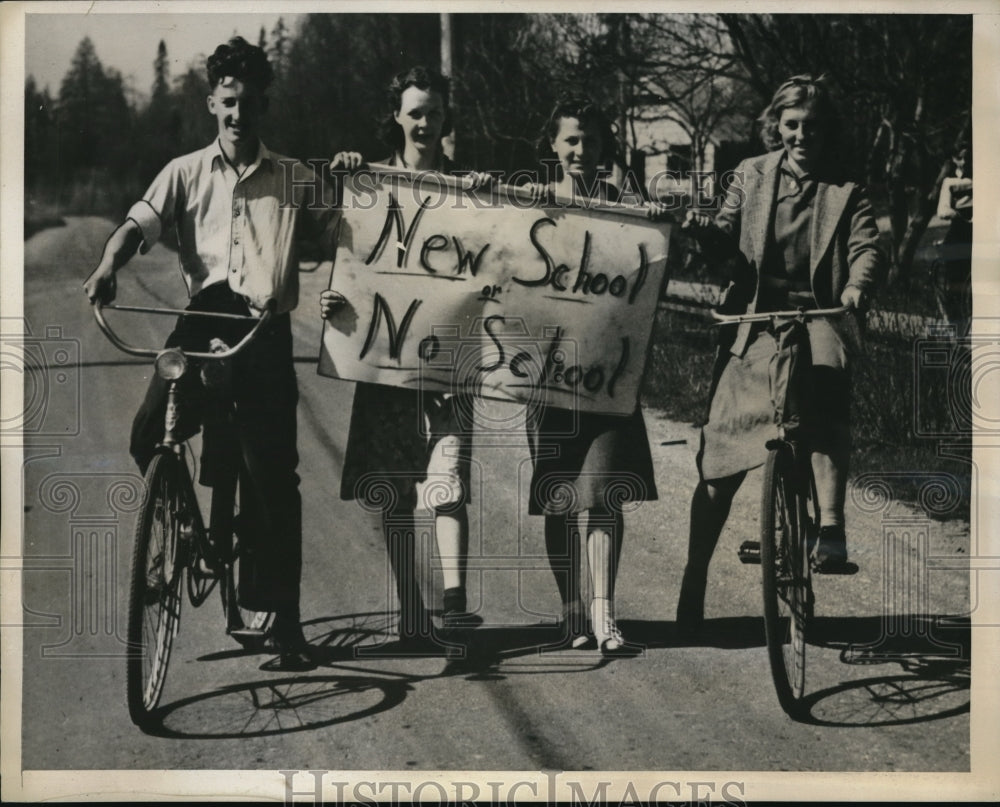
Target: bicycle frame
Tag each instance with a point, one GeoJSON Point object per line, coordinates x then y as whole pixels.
{"type": "Point", "coordinates": [788, 525]}
{"type": "Point", "coordinates": [170, 441]}
{"type": "Point", "coordinates": [171, 535]}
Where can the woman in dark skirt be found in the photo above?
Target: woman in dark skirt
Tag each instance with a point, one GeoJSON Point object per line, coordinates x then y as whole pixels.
{"type": "Point", "coordinates": [399, 438]}
{"type": "Point", "coordinates": [801, 236]}
{"type": "Point", "coordinates": [586, 466]}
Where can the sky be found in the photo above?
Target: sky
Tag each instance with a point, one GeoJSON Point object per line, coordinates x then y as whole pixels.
{"type": "Point", "coordinates": [128, 42]}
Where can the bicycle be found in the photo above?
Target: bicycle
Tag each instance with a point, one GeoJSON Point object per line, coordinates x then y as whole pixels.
{"type": "Point", "coordinates": [171, 540]}
{"type": "Point", "coordinates": [952, 286]}
{"type": "Point", "coordinates": [789, 527]}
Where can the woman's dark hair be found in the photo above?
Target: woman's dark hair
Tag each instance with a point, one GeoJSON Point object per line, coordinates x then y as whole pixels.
{"type": "Point", "coordinates": [588, 113]}
{"type": "Point", "coordinates": [390, 132]}
{"type": "Point", "coordinates": [796, 92]}
{"type": "Point", "coordinates": [241, 60]}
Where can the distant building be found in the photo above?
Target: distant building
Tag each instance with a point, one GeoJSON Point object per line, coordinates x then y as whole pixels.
{"type": "Point", "coordinates": [669, 154]}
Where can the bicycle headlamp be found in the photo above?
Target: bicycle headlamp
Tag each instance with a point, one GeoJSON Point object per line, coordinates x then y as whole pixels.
{"type": "Point", "coordinates": [171, 365]}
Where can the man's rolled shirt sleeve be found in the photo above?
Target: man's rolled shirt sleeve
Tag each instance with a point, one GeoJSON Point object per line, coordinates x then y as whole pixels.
{"type": "Point", "coordinates": [155, 210]}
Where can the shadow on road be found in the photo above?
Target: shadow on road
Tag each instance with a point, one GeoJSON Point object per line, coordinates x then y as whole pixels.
{"type": "Point", "coordinates": [933, 651]}
{"type": "Point", "coordinates": [927, 691]}
{"type": "Point", "coordinates": [311, 701]}
{"type": "Point", "coordinates": [728, 633]}
{"type": "Point", "coordinates": [280, 706]}
{"type": "Point", "coordinates": [476, 653]}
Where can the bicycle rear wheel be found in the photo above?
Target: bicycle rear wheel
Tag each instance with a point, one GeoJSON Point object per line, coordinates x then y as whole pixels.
{"type": "Point", "coordinates": [155, 589]}
{"type": "Point", "coordinates": [786, 502]}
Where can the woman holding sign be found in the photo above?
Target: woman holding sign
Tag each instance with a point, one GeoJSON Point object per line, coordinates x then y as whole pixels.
{"type": "Point", "coordinates": [801, 236]}
{"type": "Point", "coordinates": [400, 438]}
{"type": "Point", "coordinates": [586, 465]}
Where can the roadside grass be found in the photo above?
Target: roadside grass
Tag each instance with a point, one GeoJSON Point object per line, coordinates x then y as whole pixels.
{"type": "Point", "coordinates": [40, 216]}
{"type": "Point", "coordinates": [912, 417]}
{"type": "Point", "coordinates": [94, 193]}
{"type": "Point", "coordinates": [679, 369]}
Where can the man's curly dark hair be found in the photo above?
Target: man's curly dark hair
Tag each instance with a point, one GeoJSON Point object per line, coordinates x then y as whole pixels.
{"type": "Point", "coordinates": [241, 60]}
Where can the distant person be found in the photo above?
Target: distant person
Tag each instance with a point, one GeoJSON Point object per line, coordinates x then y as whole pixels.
{"type": "Point", "coordinates": [398, 437]}
{"type": "Point", "coordinates": [954, 284]}
{"type": "Point", "coordinates": [803, 236]}
{"type": "Point", "coordinates": [586, 465]}
{"type": "Point", "coordinates": [236, 246]}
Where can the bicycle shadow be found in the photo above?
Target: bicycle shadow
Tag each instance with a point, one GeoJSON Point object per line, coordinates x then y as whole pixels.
{"type": "Point", "coordinates": [933, 651]}
{"type": "Point", "coordinates": [276, 706]}
{"type": "Point", "coordinates": [362, 648]}
{"type": "Point", "coordinates": [476, 654]}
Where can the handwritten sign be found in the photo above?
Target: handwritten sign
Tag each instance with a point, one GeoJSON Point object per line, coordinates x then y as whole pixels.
{"type": "Point", "coordinates": [451, 290]}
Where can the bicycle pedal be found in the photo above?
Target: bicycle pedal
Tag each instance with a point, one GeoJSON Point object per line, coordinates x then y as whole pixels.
{"type": "Point", "coordinates": [249, 633]}
{"type": "Point", "coordinates": [749, 552]}
{"type": "Point", "coordinates": [249, 637]}
{"type": "Point", "coordinates": [204, 570]}
{"type": "Point", "coordinates": [846, 568]}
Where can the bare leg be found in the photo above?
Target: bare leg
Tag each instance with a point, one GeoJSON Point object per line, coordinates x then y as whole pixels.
{"type": "Point", "coordinates": [452, 531]}
{"type": "Point", "coordinates": [710, 507]}
{"type": "Point", "coordinates": [451, 527]}
{"type": "Point", "coordinates": [830, 464]}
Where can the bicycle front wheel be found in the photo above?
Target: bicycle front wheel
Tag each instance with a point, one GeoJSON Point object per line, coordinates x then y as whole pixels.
{"type": "Point", "coordinates": [784, 558]}
{"type": "Point", "coordinates": [155, 593]}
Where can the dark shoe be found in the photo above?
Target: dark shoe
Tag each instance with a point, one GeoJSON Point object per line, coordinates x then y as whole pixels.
{"type": "Point", "coordinates": [454, 614]}
{"type": "Point", "coordinates": [460, 620]}
{"type": "Point", "coordinates": [690, 611]}
{"type": "Point", "coordinates": [574, 625]}
{"type": "Point", "coordinates": [300, 660]}
{"type": "Point", "coordinates": [293, 650]}
{"type": "Point", "coordinates": [831, 550]}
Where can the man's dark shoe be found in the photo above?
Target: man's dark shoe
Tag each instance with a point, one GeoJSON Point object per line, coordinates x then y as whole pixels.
{"type": "Point", "coordinates": [690, 610]}
{"type": "Point", "coordinates": [460, 620]}
{"type": "Point", "coordinates": [831, 550]}
{"type": "Point", "coordinates": [293, 650]}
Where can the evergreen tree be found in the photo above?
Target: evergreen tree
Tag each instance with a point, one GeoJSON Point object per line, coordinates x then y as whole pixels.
{"type": "Point", "coordinates": [37, 134]}
{"type": "Point", "coordinates": [161, 73]}
{"type": "Point", "coordinates": [95, 151]}
{"type": "Point", "coordinates": [278, 52]}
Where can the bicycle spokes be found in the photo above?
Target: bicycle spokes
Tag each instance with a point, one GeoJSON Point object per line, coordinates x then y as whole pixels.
{"type": "Point", "coordinates": [154, 598]}
{"type": "Point", "coordinates": [787, 584]}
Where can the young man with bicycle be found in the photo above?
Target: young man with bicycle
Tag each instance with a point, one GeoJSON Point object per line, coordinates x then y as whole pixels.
{"type": "Point", "coordinates": [237, 209]}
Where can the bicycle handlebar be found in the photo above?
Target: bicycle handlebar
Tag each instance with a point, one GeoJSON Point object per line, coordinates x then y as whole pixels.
{"type": "Point", "coordinates": [815, 313]}
{"type": "Point", "coordinates": [123, 346]}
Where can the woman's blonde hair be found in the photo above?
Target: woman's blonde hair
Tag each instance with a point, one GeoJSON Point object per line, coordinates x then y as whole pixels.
{"type": "Point", "coordinates": [795, 92]}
